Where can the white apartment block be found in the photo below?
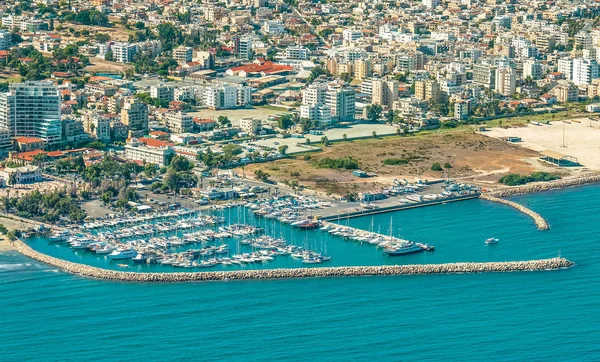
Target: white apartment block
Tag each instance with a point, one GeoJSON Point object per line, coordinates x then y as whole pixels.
{"type": "Point", "coordinates": [250, 125]}
{"type": "Point", "coordinates": [532, 69]}
{"type": "Point", "coordinates": [296, 52]}
{"type": "Point", "coordinates": [178, 122]}
{"type": "Point", "coordinates": [183, 54]}
{"type": "Point", "coordinates": [584, 70]}
{"type": "Point", "coordinates": [137, 151]}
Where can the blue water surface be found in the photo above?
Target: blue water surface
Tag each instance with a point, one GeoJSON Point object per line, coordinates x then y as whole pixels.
{"type": "Point", "coordinates": [48, 315]}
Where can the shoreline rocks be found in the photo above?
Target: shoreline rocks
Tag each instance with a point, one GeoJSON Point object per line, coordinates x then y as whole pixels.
{"type": "Point", "coordinates": [546, 186]}
{"type": "Point", "coordinates": [540, 222]}
{"type": "Point", "coordinates": [350, 271]}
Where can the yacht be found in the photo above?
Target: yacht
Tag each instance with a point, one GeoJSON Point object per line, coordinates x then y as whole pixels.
{"type": "Point", "coordinates": [121, 254]}
{"type": "Point", "coordinates": [491, 241]}
{"type": "Point", "coordinates": [403, 249]}
{"type": "Point", "coordinates": [140, 258]}
{"type": "Point", "coordinates": [59, 236]}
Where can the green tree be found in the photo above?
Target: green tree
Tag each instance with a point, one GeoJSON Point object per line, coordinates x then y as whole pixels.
{"type": "Point", "coordinates": [436, 167]}
{"type": "Point", "coordinates": [373, 112]}
{"type": "Point", "coordinates": [224, 121]}
{"type": "Point", "coordinates": [283, 149]}
{"type": "Point", "coordinates": [109, 56]}
{"type": "Point", "coordinates": [285, 121]}
{"type": "Point", "coordinates": [389, 116]}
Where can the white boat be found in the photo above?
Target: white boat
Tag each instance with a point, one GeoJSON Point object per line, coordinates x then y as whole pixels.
{"type": "Point", "coordinates": [121, 254]}
{"type": "Point", "coordinates": [59, 236]}
{"type": "Point", "coordinates": [491, 241]}
{"type": "Point", "coordinates": [403, 249]}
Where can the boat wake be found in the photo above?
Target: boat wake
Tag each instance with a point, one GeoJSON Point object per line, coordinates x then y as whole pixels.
{"type": "Point", "coordinates": [15, 266]}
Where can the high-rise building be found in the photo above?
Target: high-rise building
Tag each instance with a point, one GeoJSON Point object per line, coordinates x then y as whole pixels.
{"type": "Point", "coordinates": [250, 125]}
{"type": "Point", "coordinates": [32, 109]}
{"type": "Point", "coordinates": [178, 122]}
{"type": "Point", "coordinates": [5, 39]}
{"type": "Point", "coordinates": [565, 66]}
{"type": "Point", "coordinates": [314, 104]}
{"type": "Point", "coordinates": [183, 54]}
{"type": "Point", "coordinates": [123, 52]}
{"type": "Point", "coordinates": [316, 93]}
{"type": "Point", "coordinates": [162, 92]}
{"type": "Point", "coordinates": [135, 115]}
{"type": "Point", "coordinates": [427, 90]}
{"type": "Point", "coordinates": [384, 92]}
{"type": "Point", "coordinates": [243, 47]}
{"type": "Point", "coordinates": [485, 75]}
{"type": "Point", "coordinates": [506, 81]}
{"type": "Point", "coordinates": [584, 70]}
{"type": "Point", "coordinates": [227, 96]}
{"type": "Point", "coordinates": [362, 69]}
{"type": "Point", "coordinates": [341, 101]}
{"type": "Point", "coordinates": [532, 69]}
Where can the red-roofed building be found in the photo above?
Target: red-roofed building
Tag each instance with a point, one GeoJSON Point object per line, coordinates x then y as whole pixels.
{"type": "Point", "coordinates": [151, 142]}
{"type": "Point", "coordinates": [159, 135]}
{"type": "Point", "coordinates": [203, 125]}
{"type": "Point", "coordinates": [261, 69]}
{"type": "Point", "coordinates": [25, 144]}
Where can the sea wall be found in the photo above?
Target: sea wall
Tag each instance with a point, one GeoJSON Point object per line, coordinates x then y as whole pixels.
{"type": "Point", "coordinates": [540, 222]}
{"type": "Point", "coordinates": [546, 186]}
{"type": "Point", "coordinates": [451, 268]}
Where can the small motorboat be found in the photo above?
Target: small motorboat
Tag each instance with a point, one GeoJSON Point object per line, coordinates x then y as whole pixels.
{"type": "Point", "coordinates": [491, 241]}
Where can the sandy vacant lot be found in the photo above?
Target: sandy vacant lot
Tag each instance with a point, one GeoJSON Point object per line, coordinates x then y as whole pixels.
{"type": "Point", "coordinates": [581, 140]}
{"type": "Point", "coordinates": [472, 156]}
{"type": "Point", "coordinates": [235, 115]}
{"type": "Point", "coordinates": [101, 65]}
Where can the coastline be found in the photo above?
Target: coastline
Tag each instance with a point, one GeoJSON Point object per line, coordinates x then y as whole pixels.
{"type": "Point", "coordinates": [5, 245]}
{"type": "Point", "coordinates": [546, 186]}
{"type": "Point", "coordinates": [296, 273]}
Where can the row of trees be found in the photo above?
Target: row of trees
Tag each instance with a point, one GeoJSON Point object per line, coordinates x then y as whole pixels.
{"type": "Point", "coordinates": [50, 206]}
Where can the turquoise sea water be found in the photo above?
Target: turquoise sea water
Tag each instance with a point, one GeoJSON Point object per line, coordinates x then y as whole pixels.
{"type": "Point", "coordinates": [52, 316]}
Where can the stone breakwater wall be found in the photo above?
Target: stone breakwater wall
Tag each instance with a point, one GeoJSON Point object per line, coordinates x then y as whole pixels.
{"type": "Point", "coordinates": [540, 222]}
{"type": "Point", "coordinates": [452, 268]}
{"type": "Point", "coordinates": [546, 186]}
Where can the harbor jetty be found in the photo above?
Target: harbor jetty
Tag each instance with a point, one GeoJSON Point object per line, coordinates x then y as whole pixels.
{"type": "Point", "coordinates": [423, 269]}
{"type": "Point", "coordinates": [546, 186]}
{"type": "Point", "coordinates": [540, 222]}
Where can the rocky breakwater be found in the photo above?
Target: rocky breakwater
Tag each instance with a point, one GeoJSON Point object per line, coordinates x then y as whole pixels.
{"type": "Point", "coordinates": [546, 186]}
{"type": "Point", "coordinates": [540, 222]}
{"type": "Point", "coordinates": [451, 268]}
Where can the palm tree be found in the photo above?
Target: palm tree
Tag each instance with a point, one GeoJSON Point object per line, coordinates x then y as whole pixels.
{"type": "Point", "coordinates": [345, 137]}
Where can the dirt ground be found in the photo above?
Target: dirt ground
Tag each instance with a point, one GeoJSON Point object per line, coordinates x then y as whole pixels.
{"type": "Point", "coordinates": [101, 65]}
{"type": "Point", "coordinates": [473, 157]}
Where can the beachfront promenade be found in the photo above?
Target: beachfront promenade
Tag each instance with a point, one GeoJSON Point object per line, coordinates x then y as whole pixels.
{"type": "Point", "coordinates": [350, 271]}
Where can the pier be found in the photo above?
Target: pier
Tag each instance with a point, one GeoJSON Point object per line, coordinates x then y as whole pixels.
{"type": "Point", "coordinates": [540, 222]}
{"type": "Point", "coordinates": [350, 271]}
{"type": "Point", "coordinates": [381, 210]}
